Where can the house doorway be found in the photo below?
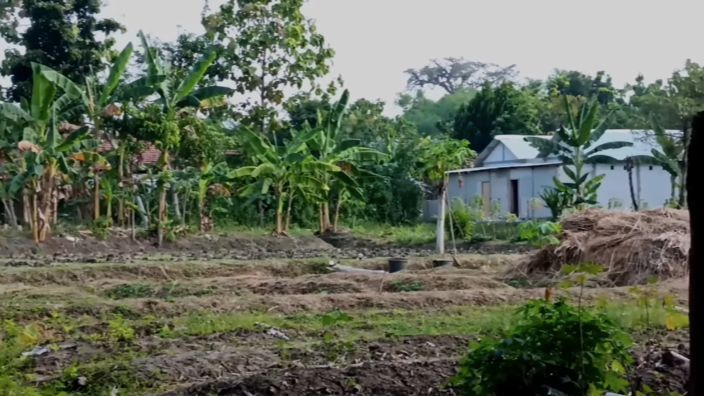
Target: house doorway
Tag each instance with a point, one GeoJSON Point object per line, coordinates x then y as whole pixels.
{"type": "Point", "coordinates": [486, 197]}
{"type": "Point", "coordinates": [513, 197]}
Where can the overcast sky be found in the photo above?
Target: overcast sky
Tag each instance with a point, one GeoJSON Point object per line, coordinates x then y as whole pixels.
{"type": "Point", "coordinates": [376, 40]}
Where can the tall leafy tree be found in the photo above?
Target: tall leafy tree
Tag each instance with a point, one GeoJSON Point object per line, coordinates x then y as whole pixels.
{"type": "Point", "coordinates": [673, 105]}
{"type": "Point", "coordinates": [66, 35]}
{"type": "Point", "coordinates": [438, 157]}
{"type": "Point", "coordinates": [158, 121]}
{"type": "Point", "coordinates": [269, 47]}
{"type": "Point", "coordinates": [433, 117]}
{"type": "Point", "coordinates": [505, 109]}
{"type": "Point", "coordinates": [454, 74]}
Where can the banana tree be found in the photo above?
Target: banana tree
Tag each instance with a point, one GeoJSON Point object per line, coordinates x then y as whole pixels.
{"type": "Point", "coordinates": [173, 94]}
{"type": "Point", "coordinates": [576, 146]}
{"type": "Point", "coordinates": [670, 157]}
{"type": "Point", "coordinates": [286, 171]}
{"type": "Point", "coordinates": [329, 145]}
{"type": "Point", "coordinates": [45, 153]}
{"type": "Point", "coordinates": [97, 102]}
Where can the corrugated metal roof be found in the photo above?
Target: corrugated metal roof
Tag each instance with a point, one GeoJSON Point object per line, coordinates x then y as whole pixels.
{"type": "Point", "coordinates": [507, 166]}
{"type": "Point", "coordinates": [643, 144]}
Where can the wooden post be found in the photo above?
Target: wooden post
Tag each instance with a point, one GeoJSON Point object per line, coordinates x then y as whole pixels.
{"type": "Point", "coordinates": [440, 225]}
{"type": "Point", "coordinates": [696, 272]}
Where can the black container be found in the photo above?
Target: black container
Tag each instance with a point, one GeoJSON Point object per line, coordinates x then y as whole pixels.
{"type": "Point", "coordinates": [397, 264]}
{"type": "Point", "coordinates": [442, 263]}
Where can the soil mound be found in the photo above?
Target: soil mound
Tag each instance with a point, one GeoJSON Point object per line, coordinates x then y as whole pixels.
{"type": "Point", "coordinates": [632, 247]}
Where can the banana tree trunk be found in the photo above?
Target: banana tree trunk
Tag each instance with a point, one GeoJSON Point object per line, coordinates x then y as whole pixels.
{"type": "Point", "coordinates": [325, 218]}
{"type": "Point", "coordinates": [142, 211]}
{"type": "Point", "coordinates": [280, 214]}
{"type": "Point", "coordinates": [120, 185]}
{"type": "Point", "coordinates": [96, 196]}
{"type": "Point", "coordinates": [163, 204]}
{"type": "Point", "coordinates": [287, 226]}
{"type": "Point", "coordinates": [46, 207]}
{"type": "Point", "coordinates": [27, 207]}
{"type": "Point", "coordinates": [10, 217]}
{"type": "Point", "coordinates": [336, 219]}
{"type": "Point", "coordinates": [176, 204]}
{"type": "Point", "coordinates": [682, 199]}
{"type": "Point", "coordinates": [34, 213]}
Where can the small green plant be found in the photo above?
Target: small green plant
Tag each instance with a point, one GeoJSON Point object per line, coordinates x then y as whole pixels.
{"type": "Point", "coordinates": [543, 354]}
{"type": "Point", "coordinates": [101, 227]}
{"type": "Point", "coordinates": [400, 286]}
{"type": "Point", "coordinates": [120, 331]}
{"type": "Point", "coordinates": [556, 200]}
{"type": "Point", "coordinates": [333, 347]}
{"type": "Point", "coordinates": [539, 234]}
{"type": "Point", "coordinates": [130, 290]}
{"type": "Point", "coordinates": [650, 300]}
{"type": "Point", "coordinates": [462, 218]}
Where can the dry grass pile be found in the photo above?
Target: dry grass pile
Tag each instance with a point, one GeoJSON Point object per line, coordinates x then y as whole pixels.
{"type": "Point", "coordinates": [632, 247]}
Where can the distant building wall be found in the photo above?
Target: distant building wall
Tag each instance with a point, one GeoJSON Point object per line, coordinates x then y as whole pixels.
{"type": "Point", "coordinates": [652, 186]}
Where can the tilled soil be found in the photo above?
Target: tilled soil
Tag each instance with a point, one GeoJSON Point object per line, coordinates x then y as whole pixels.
{"type": "Point", "coordinates": [73, 296]}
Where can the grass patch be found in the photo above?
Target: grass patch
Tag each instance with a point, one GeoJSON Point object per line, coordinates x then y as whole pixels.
{"type": "Point", "coordinates": [407, 235]}
{"type": "Point", "coordinates": [166, 292]}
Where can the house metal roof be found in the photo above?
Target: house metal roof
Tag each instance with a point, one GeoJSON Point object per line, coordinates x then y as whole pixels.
{"type": "Point", "coordinates": [526, 155]}
{"type": "Point", "coordinates": [507, 166]}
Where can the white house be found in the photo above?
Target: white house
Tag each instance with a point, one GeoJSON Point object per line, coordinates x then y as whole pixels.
{"type": "Point", "coordinates": [509, 176]}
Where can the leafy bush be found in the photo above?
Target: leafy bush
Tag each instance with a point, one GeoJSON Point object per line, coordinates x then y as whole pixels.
{"type": "Point", "coordinates": [463, 221]}
{"type": "Point", "coordinates": [539, 234]}
{"type": "Point", "coordinates": [553, 349]}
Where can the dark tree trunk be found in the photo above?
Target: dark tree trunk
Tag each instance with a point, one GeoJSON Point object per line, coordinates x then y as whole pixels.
{"type": "Point", "coordinates": [686, 141]}
{"type": "Point", "coordinates": [696, 271]}
{"type": "Point", "coordinates": [630, 164]}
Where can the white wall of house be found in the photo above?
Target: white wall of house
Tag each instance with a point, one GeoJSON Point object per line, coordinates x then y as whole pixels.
{"type": "Point", "coordinates": [500, 154]}
{"type": "Point", "coordinates": [531, 183]}
{"type": "Point", "coordinates": [651, 184]}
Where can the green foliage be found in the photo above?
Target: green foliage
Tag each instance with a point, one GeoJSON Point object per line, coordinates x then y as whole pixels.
{"type": "Point", "coordinates": [494, 111]}
{"type": "Point", "coordinates": [433, 118]}
{"type": "Point", "coordinates": [556, 200]}
{"type": "Point", "coordinates": [539, 233]}
{"type": "Point", "coordinates": [101, 228]}
{"type": "Point", "coordinates": [553, 347]}
{"type": "Point", "coordinates": [67, 36]}
{"type": "Point", "coordinates": [266, 47]}
{"type": "Point", "coordinates": [463, 219]}
{"type": "Point", "coordinates": [120, 331]}
{"type": "Point", "coordinates": [577, 146]}
{"type": "Point", "coordinates": [400, 286]}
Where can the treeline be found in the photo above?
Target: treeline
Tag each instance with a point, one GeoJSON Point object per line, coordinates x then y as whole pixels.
{"type": "Point", "coordinates": [237, 126]}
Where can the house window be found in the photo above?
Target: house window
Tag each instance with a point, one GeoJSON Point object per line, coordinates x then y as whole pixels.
{"type": "Point", "coordinates": [650, 167]}
{"type": "Point", "coordinates": [612, 167]}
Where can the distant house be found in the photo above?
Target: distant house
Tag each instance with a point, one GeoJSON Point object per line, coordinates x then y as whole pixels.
{"type": "Point", "coordinates": [509, 176]}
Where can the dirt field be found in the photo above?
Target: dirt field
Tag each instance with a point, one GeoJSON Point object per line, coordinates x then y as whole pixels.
{"type": "Point", "coordinates": [262, 316]}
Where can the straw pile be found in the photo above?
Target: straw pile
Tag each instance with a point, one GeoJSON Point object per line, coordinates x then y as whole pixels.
{"type": "Point", "coordinates": [632, 247]}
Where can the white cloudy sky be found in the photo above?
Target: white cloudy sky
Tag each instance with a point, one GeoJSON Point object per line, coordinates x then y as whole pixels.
{"type": "Point", "coordinates": [376, 40]}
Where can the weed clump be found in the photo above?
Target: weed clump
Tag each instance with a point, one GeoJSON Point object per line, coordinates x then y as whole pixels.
{"type": "Point", "coordinates": [554, 349]}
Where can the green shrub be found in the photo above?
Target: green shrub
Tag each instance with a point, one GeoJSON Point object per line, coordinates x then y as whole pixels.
{"type": "Point", "coordinates": [463, 221]}
{"type": "Point", "coordinates": [554, 349]}
{"type": "Point", "coordinates": [539, 234]}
